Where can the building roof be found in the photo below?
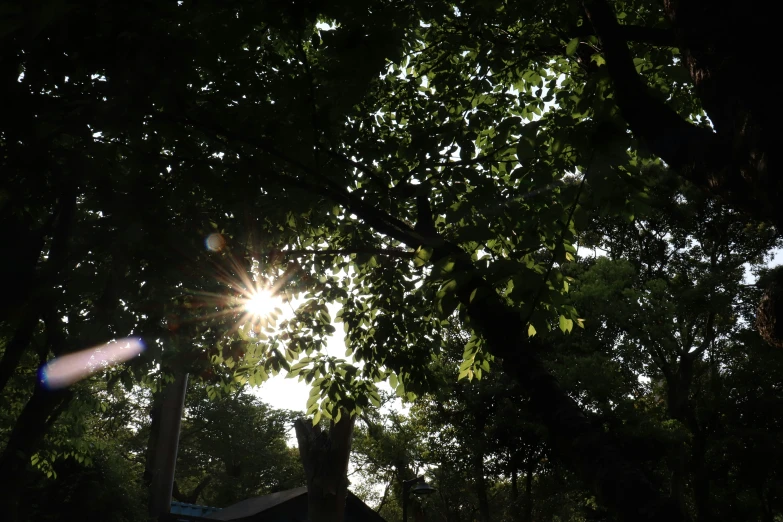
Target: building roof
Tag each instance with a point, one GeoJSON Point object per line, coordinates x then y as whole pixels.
{"type": "Point", "coordinates": [355, 509]}
{"type": "Point", "coordinates": [253, 506]}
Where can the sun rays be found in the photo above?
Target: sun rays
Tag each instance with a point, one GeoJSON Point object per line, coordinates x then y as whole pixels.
{"type": "Point", "coordinates": [251, 298]}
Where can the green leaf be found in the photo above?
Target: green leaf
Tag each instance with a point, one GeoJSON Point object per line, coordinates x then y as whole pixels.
{"type": "Point", "coordinates": [572, 46]}
{"type": "Point", "coordinates": [422, 256]}
{"type": "Point", "coordinates": [566, 325]}
{"type": "Point", "coordinates": [526, 149]}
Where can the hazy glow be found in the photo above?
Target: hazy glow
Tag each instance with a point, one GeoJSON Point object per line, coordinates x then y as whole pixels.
{"type": "Point", "coordinates": [215, 242]}
{"type": "Point", "coordinates": [261, 303]}
{"type": "Point", "coordinates": [68, 369]}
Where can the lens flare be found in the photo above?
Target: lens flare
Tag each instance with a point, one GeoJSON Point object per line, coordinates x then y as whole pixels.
{"type": "Point", "coordinates": [65, 370]}
{"type": "Point", "coordinates": [252, 296]}
{"type": "Point", "coordinates": [215, 242]}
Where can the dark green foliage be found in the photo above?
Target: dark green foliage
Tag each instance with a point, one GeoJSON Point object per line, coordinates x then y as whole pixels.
{"type": "Point", "coordinates": [421, 164]}
{"type": "Point", "coordinates": [237, 447]}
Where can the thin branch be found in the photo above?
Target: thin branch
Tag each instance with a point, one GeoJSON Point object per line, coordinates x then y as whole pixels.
{"type": "Point", "coordinates": [385, 495]}
{"type": "Point", "coordinates": [313, 107]}
{"type": "Point", "coordinates": [709, 336]}
{"type": "Point", "coordinates": [549, 269]}
{"type": "Point", "coordinates": [361, 167]}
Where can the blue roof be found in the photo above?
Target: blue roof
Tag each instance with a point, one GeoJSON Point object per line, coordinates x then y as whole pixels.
{"type": "Point", "coordinates": [192, 510]}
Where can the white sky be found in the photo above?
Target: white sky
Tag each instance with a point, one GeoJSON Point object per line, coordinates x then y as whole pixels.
{"type": "Point", "coordinates": [291, 394]}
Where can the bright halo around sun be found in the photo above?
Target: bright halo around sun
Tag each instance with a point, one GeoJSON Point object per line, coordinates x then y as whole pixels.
{"type": "Point", "coordinates": [261, 304]}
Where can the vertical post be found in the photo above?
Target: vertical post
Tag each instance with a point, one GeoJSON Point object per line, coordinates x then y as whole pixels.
{"type": "Point", "coordinates": [165, 457]}
{"type": "Point", "coordinates": [406, 490]}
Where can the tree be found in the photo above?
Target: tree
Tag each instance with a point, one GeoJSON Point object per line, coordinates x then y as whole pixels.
{"type": "Point", "coordinates": [233, 448]}
{"type": "Point", "coordinates": [388, 449]}
{"type": "Point", "coordinates": [356, 168]}
{"type": "Point", "coordinates": [325, 456]}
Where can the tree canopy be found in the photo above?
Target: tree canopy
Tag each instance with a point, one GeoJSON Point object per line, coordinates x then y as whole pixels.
{"type": "Point", "coordinates": [420, 164]}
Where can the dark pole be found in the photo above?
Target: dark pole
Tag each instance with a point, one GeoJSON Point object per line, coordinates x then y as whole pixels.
{"type": "Point", "coordinates": [422, 488]}
{"type": "Point", "coordinates": [165, 458]}
{"type": "Point", "coordinates": [406, 489]}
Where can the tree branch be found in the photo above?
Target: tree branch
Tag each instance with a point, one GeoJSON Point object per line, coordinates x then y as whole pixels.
{"type": "Point", "coordinates": [709, 336]}
{"type": "Point", "coordinates": [192, 498]}
{"type": "Point", "coordinates": [696, 153]}
{"type": "Point", "coordinates": [636, 33]}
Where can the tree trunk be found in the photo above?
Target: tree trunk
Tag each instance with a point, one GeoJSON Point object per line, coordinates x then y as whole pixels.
{"type": "Point", "coordinates": [39, 413]}
{"type": "Point", "coordinates": [325, 460]}
{"type": "Point", "coordinates": [514, 489]}
{"type": "Point", "coordinates": [678, 407]}
{"type": "Point", "coordinates": [481, 483]}
{"type": "Point", "coordinates": [16, 346]}
{"type": "Point", "coordinates": [62, 222]}
{"type": "Point", "coordinates": [528, 517]}
{"type": "Point", "coordinates": [701, 478]}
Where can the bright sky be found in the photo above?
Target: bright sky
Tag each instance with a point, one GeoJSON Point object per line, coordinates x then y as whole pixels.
{"type": "Point", "coordinates": [291, 394]}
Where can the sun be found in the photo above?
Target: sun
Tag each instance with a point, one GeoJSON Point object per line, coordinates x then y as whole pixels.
{"type": "Point", "coordinates": [260, 304]}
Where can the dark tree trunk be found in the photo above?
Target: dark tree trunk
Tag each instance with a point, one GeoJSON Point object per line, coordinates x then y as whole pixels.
{"type": "Point", "coordinates": [38, 415]}
{"type": "Point", "coordinates": [678, 406]}
{"type": "Point", "coordinates": [739, 161]}
{"type": "Point", "coordinates": [61, 222]}
{"type": "Point", "coordinates": [325, 456]}
{"type": "Point", "coordinates": [156, 407]}
{"type": "Point", "coordinates": [701, 478]}
{"type": "Point", "coordinates": [528, 513]}
{"type": "Point", "coordinates": [477, 461]}
{"type": "Point", "coordinates": [481, 483]}
{"type": "Point", "coordinates": [16, 347]}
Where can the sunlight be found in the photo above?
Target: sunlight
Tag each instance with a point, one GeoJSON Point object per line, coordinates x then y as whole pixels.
{"type": "Point", "coordinates": [261, 303]}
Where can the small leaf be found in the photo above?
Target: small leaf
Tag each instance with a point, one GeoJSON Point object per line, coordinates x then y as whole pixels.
{"type": "Point", "coordinates": [571, 47]}
{"type": "Point", "coordinates": [422, 256]}
{"type": "Point", "coordinates": [531, 331]}
{"type": "Point", "coordinates": [566, 325]}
